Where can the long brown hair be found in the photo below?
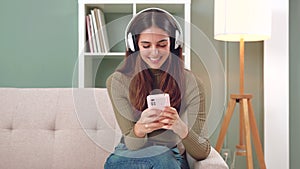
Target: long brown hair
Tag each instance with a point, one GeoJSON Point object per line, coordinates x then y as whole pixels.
{"type": "Point", "coordinates": [142, 80]}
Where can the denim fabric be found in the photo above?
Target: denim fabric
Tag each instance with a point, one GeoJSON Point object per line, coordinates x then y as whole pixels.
{"type": "Point", "coordinates": [153, 157]}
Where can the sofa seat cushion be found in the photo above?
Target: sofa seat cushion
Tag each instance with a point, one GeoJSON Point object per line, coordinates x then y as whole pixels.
{"type": "Point", "coordinates": [55, 128]}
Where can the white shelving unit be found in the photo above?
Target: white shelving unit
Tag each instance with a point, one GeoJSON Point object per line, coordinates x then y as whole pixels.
{"type": "Point", "coordinates": [94, 68]}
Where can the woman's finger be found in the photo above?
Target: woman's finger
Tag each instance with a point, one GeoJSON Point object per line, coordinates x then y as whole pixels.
{"type": "Point", "coordinates": [149, 127]}
{"type": "Point", "coordinates": [170, 109]}
{"type": "Point", "coordinates": [167, 121]}
{"type": "Point", "coordinates": [165, 115]}
{"type": "Point", "coordinates": [150, 115]}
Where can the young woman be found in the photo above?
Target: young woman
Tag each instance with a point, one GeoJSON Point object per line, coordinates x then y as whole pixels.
{"type": "Point", "coordinates": [156, 138]}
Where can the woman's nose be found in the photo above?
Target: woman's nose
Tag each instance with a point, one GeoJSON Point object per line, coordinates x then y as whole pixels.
{"type": "Point", "coordinates": [154, 51]}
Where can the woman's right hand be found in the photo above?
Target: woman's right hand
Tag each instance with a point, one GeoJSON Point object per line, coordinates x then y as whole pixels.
{"type": "Point", "coordinates": [148, 122]}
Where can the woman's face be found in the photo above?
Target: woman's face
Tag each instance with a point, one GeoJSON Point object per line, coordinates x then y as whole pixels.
{"type": "Point", "coordinates": [154, 45]}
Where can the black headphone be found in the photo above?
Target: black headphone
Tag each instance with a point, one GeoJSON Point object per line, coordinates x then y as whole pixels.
{"type": "Point", "coordinates": [130, 39]}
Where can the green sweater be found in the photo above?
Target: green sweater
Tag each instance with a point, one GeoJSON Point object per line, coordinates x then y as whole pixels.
{"type": "Point", "coordinates": [192, 112]}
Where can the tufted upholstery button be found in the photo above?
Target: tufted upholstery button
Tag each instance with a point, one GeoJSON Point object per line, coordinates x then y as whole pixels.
{"type": "Point", "coordinates": [10, 127]}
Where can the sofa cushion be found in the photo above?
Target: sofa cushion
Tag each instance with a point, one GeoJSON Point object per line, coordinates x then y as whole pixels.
{"type": "Point", "coordinates": [55, 128]}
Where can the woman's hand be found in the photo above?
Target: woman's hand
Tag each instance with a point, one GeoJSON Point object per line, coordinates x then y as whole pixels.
{"type": "Point", "coordinates": [171, 120]}
{"type": "Point", "coordinates": [148, 122]}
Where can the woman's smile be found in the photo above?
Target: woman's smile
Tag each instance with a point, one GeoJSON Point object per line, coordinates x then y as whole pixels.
{"type": "Point", "coordinates": [155, 60]}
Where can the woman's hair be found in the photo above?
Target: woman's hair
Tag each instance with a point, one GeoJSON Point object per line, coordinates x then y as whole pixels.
{"type": "Point", "coordinates": [172, 78]}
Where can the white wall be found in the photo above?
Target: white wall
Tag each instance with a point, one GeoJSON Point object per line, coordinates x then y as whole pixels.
{"type": "Point", "coordinates": [276, 88]}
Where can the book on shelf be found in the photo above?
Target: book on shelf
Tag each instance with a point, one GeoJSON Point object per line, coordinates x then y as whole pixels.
{"type": "Point", "coordinates": [98, 24]}
{"type": "Point", "coordinates": [96, 32]}
{"type": "Point", "coordinates": [93, 44]}
{"type": "Point", "coordinates": [89, 34]}
{"type": "Point", "coordinates": [96, 36]}
{"type": "Point", "coordinates": [103, 30]}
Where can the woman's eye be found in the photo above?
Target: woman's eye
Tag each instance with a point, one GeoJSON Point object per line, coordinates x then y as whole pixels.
{"type": "Point", "coordinates": [146, 46]}
{"type": "Point", "coordinates": [162, 45]}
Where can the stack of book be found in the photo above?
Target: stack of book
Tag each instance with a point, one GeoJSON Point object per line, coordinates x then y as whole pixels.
{"type": "Point", "coordinates": [96, 32]}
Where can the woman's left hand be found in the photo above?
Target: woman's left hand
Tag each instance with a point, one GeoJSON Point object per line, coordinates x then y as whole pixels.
{"type": "Point", "coordinates": [171, 120]}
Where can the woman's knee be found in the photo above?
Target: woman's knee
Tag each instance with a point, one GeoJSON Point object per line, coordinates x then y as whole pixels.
{"type": "Point", "coordinates": [150, 158]}
{"type": "Point", "coordinates": [164, 160]}
{"type": "Point", "coordinates": [121, 162]}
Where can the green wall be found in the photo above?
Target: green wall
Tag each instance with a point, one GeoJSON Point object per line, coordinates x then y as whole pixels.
{"type": "Point", "coordinates": [294, 42]}
{"type": "Point", "coordinates": [38, 43]}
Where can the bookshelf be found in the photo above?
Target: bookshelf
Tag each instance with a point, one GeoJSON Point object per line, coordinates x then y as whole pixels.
{"type": "Point", "coordinates": [95, 67]}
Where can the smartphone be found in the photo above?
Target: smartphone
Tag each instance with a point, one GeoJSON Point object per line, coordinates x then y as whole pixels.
{"type": "Point", "coordinates": [158, 101]}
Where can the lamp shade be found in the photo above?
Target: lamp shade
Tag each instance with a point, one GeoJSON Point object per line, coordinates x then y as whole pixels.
{"type": "Point", "coordinates": [249, 20]}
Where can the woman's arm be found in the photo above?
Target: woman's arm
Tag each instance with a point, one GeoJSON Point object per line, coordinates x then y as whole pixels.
{"type": "Point", "coordinates": [117, 90]}
{"type": "Point", "coordinates": [196, 143]}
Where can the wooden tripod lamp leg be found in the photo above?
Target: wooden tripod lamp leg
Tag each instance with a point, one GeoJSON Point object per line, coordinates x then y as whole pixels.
{"type": "Point", "coordinates": [256, 139]}
{"type": "Point", "coordinates": [225, 124]}
{"type": "Point", "coordinates": [247, 134]}
{"type": "Point", "coordinates": [242, 129]}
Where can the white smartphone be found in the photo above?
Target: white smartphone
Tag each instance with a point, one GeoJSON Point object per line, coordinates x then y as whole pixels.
{"type": "Point", "coordinates": [158, 101]}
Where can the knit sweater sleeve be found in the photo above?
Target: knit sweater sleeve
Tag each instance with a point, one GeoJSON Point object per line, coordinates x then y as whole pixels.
{"type": "Point", "coordinates": [196, 143]}
{"type": "Point", "coordinates": [118, 93]}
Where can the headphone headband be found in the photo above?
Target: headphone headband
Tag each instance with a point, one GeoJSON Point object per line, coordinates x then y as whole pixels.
{"type": "Point", "coordinates": [130, 38]}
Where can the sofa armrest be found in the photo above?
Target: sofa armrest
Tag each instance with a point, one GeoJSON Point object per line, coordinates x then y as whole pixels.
{"type": "Point", "coordinates": [213, 161]}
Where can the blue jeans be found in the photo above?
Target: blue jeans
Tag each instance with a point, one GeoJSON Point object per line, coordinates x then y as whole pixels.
{"type": "Point", "coordinates": [153, 157]}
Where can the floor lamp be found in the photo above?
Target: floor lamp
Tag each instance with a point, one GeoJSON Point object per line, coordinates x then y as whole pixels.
{"type": "Point", "coordinates": [242, 21]}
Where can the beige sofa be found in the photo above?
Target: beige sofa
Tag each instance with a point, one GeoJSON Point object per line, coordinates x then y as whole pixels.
{"type": "Point", "coordinates": [62, 129]}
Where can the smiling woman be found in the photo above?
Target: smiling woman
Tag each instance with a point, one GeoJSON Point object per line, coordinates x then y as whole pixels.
{"type": "Point", "coordinates": [154, 64]}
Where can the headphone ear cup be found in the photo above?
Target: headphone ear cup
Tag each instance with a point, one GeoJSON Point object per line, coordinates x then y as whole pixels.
{"type": "Point", "coordinates": [178, 39]}
{"type": "Point", "coordinates": [130, 42]}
